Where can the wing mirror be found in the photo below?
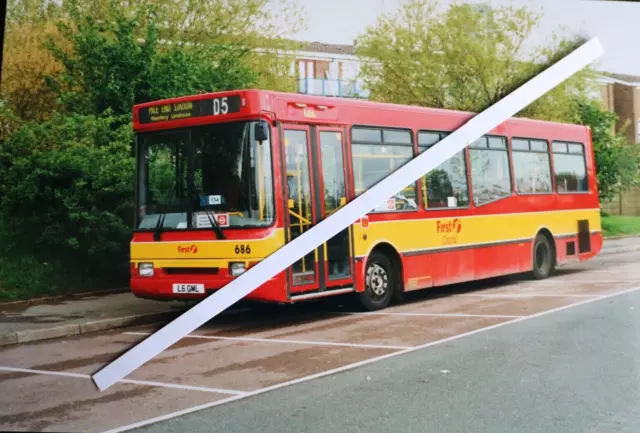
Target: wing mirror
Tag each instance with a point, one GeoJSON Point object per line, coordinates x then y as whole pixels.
{"type": "Point", "coordinates": [261, 132]}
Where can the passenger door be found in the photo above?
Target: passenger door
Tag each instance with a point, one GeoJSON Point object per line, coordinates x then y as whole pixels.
{"type": "Point", "coordinates": [300, 203]}
{"type": "Point", "coordinates": [331, 188]}
{"type": "Point", "coordinates": [316, 187]}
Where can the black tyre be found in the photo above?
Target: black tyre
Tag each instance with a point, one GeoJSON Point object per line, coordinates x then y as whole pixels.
{"type": "Point", "coordinates": [380, 281]}
{"type": "Point", "coordinates": [543, 258]}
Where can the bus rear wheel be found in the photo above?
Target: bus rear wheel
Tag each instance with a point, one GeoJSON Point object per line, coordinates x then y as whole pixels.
{"type": "Point", "coordinates": [379, 283]}
{"type": "Point", "coordinates": [543, 260]}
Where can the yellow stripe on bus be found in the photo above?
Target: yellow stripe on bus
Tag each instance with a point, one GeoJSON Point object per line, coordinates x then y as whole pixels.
{"type": "Point", "coordinates": [413, 235]}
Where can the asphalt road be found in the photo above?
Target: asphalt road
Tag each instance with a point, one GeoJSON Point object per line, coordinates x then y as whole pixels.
{"type": "Point", "coordinates": [503, 355]}
{"type": "Point", "coordinates": [577, 370]}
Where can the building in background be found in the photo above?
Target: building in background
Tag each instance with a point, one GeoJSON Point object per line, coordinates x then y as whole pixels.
{"type": "Point", "coordinates": [328, 70]}
{"type": "Point", "coordinates": [621, 95]}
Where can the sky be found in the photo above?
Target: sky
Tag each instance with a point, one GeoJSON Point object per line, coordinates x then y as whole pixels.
{"type": "Point", "coordinates": [615, 23]}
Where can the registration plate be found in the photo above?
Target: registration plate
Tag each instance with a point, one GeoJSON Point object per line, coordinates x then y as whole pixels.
{"type": "Point", "coordinates": [188, 288]}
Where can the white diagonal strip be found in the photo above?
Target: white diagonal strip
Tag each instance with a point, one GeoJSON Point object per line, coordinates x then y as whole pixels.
{"type": "Point", "coordinates": [276, 340]}
{"type": "Point", "coordinates": [329, 227]}
{"type": "Point", "coordinates": [137, 382]}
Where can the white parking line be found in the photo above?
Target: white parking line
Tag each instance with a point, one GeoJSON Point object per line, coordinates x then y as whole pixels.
{"type": "Point", "coordinates": [183, 387]}
{"type": "Point", "coordinates": [359, 364]}
{"type": "Point", "coordinates": [525, 295]}
{"type": "Point", "coordinates": [48, 373]}
{"type": "Point", "coordinates": [585, 281]}
{"type": "Point", "coordinates": [276, 340]}
{"type": "Point", "coordinates": [393, 313]}
{"type": "Point", "coordinates": [136, 382]}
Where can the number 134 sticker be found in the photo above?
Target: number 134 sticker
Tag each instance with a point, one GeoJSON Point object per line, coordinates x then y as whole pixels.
{"type": "Point", "coordinates": [215, 199]}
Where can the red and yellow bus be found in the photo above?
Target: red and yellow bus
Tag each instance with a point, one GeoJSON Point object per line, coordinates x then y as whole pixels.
{"type": "Point", "coordinates": [225, 179]}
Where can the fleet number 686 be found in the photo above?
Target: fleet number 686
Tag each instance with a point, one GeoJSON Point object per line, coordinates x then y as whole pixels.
{"type": "Point", "coordinates": [243, 249]}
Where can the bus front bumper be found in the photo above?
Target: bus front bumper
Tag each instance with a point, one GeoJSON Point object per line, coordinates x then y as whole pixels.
{"type": "Point", "coordinates": [182, 280]}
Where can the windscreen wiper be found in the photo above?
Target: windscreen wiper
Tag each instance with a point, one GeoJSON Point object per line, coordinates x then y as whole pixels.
{"type": "Point", "coordinates": [158, 230]}
{"type": "Point", "coordinates": [214, 224]}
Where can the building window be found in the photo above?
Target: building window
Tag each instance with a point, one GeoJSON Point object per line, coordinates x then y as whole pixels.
{"type": "Point", "coordinates": [531, 166]}
{"type": "Point", "coordinates": [377, 153]}
{"type": "Point", "coordinates": [446, 185]}
{"type": "Point", "coordinates": [490, 174]}
{"type": "Point", "coordinates": [570, 167]}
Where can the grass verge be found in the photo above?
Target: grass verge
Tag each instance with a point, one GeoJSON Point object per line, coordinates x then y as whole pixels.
{"type": "Point", "coordinates": [613, 225]}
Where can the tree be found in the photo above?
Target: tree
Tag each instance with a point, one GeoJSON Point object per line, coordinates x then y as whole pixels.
{"type": "Point", "coordinates": [251, 33]}
{"type": "Point", "coordinates": [262, 28]}
{"type": "Point", "coordinates": [617, 162]}
{"type": "Point", "coordinates": [109, 65]}
{"type": "Point", "coordinates": [66, 179]}
{"type": "Point", "coordinates": [26, 61]}
{"type": "Point", "coordinates": [462, 58]}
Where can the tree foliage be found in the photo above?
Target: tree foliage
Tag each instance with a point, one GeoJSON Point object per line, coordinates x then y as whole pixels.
{"type": "Point", "coordinates": [617, 162]}
{"type": "Point", "coordinates": [66, 186]}
{"type": "Point", "coordinates": [246, 33]}
{"type": "Point", "coordinates": [462, 58]}
{"type": "Point", "coordinates": [26, 62]}
{"type": "Point", "coordinates": [110, 66]}
{"type": "Point", "coordinates": [260, 27]}
{"type": "Point", "coordinates": [67, 170]}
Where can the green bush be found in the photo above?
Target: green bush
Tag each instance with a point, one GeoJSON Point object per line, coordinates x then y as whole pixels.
{"type": "Point", "coordinates": [66, 189]}
{"type": "Point", "coordinates": [24, 277]}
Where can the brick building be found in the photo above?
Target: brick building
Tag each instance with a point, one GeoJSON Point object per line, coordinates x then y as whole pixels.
{"type": "Point", "coordinates": [621, 95]}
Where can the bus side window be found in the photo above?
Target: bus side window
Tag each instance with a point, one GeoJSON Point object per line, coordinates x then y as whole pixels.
{"type": "Point", "coordinates": [490, 172]}
{"type": "Point", "coordinates": [531, 166]}
{"type": "Point", "coordinates": [446, 185]}
{"type": "Point", "coordinates": [376, 153]}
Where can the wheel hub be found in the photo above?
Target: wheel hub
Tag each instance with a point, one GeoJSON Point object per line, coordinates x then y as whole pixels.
{"type": "Point", "coordinates": [377, 279]}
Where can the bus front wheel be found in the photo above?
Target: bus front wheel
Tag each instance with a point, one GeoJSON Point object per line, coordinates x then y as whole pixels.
{"type": "Point", "coordinates": [543, 260]}
{"type": "Point", "coordinates": [379, 282]}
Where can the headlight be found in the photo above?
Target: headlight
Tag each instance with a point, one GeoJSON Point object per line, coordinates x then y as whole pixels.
{"type": "Point", "coordinates": [145, 269]}
{"type": "Point", "coordinates": [236, 268]}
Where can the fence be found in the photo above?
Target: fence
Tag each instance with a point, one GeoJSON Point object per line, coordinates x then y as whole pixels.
{"type": "Point", "coordinates": [625, 204]}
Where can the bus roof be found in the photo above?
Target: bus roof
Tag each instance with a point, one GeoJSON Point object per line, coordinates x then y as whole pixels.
{"type": "Point", "coordinates": [295, 107]}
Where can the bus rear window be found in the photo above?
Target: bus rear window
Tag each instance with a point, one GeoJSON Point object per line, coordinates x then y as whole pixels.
{"type": "Point", "coordinates": [570, 167]}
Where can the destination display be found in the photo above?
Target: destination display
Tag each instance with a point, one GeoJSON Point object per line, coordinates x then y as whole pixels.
{"type": "Point", "coordinates": [190, 109]}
